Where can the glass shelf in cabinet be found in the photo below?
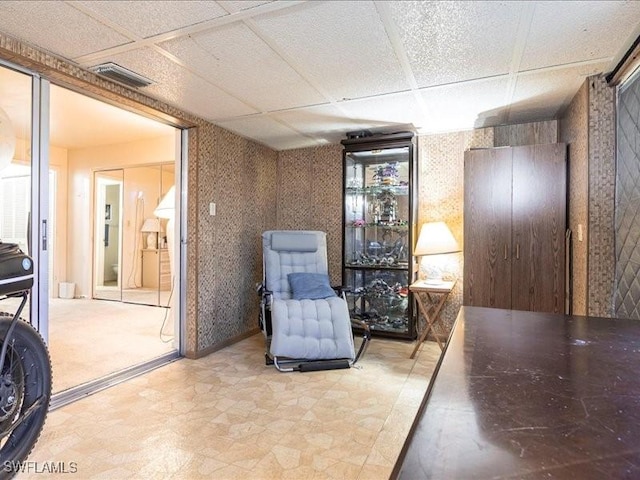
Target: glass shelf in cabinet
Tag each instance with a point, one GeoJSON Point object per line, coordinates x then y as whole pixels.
{"type": "Point", "coordinates": [396, 227]}
{"type": "Point", "coordinates": [377, 266]}
{"type": "Point", "coordinates": [377, 189]}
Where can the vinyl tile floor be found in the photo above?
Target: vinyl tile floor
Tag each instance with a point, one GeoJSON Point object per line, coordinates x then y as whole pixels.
{"type": "Point", "coordinates": [228, 416]}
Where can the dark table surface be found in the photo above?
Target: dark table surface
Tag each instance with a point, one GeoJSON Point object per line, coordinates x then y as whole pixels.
{"type": "Point", "coordinates": [530, 395]}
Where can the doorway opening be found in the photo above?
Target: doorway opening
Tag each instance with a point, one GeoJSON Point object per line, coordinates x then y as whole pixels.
{"type": "Point", "coordinates": [109, 305]}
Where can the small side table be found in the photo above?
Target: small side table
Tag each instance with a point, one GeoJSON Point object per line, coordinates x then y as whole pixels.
{"type": "Point", "coordinates": [430, 299]}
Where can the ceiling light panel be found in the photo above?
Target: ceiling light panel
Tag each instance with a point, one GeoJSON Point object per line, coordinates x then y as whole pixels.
{"type": "Point", "coordinates": [464, 106]}
{"type": "Point", "coordinates": [342, 46]}
{"type": "Point", "coordinates": [58, 27]}
{"type": "Point", "coordinates": [450, 42]}
{"type": "Point", "coordinates": [179, 87]}
{"type": "Point", "coordinates": [269, 132]}
{"type": "Point", "coordinates": [237, 58]}
{"type": "Point", "coordinates": [149, 18]}
{"type": "Point", "coordinates": [567, 32]}
{"type": "Point", "coordinates": [542, 95]}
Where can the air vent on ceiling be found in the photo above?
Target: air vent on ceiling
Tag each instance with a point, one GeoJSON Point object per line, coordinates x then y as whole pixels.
{"type": "Point", "coordinates": [120, 74]}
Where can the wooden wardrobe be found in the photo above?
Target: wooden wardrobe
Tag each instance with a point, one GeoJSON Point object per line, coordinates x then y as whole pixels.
{"type": "Point", "coordinates": [514, 227]}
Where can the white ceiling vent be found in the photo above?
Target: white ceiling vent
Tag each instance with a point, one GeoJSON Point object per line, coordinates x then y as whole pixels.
{"type": "Point", "coordinates": [120, 74]}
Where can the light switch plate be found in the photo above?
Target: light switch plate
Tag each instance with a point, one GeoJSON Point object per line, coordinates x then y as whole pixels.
{"type": "Point", "coordinates": [212, 209]}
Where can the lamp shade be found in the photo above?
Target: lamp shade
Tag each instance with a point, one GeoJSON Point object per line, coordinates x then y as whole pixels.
{"type": "Point", "coordinates": [151, 225]}
{"type": "Point", "coordinates": [167, 206]}
{"type": "Point", "coordinates": [435, 239]}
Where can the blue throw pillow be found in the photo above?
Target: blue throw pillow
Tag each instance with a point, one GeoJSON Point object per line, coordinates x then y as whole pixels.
{"type": "Point", "coordinates": [310, 286]}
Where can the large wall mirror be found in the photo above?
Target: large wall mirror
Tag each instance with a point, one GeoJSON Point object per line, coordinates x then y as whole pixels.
{"type": "Point", "coordinates": [131, 258]}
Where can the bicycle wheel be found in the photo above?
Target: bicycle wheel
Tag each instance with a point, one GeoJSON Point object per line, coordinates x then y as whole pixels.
{"type": "Point", "coordinates": [25, 391]}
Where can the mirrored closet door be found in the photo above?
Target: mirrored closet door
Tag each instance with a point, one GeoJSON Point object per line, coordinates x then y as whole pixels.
{"type": "Point", "coordinates": [131, 259]}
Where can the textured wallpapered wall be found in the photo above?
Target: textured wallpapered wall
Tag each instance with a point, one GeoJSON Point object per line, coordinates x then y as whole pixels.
{"type": "Point", "coordinates": [602, 184]}
{"type": "Point", "coordinates": [588, 125]}
{"type": "Point", "coordinates": [239, 176]}
{"type": "Point", "coordinates": [574, 132]}
{"type": "Point", "coordinates": [310, 197]}
{"type": "Point", "coordinates": [441, 194]}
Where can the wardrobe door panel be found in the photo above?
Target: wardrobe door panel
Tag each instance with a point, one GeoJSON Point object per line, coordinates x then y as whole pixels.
{"type": "Point", "coordinates": [538, 227]}
{"type": "Point", "coordinates": [487, 228]}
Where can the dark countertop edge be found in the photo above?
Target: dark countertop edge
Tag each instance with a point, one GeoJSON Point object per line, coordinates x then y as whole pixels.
{"type": "Point", "coordinates": [423, 405]}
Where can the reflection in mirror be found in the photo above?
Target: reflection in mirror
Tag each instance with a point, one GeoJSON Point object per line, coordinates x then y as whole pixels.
{"type": "Point", "coordinates": [131, 260]}
{"type": "Point", "coordinates": [107, 235]}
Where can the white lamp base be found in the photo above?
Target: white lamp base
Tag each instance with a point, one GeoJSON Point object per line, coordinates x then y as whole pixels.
{"type": "Point", "coordinates": [152, 242]}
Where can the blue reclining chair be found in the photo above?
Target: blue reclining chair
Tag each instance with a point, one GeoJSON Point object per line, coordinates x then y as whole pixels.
{"type": "Point", "coordinates": [306, 321]}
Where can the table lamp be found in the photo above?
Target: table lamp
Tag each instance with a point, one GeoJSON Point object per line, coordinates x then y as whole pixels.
{"type": "Point", "coordinates": [152, 227]}
{"type": "Point", "coordinates": [435, 239]}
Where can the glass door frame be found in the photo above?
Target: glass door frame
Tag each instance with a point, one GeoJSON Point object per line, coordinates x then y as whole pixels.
{"type": "Point", "coordinates": [40, 204]}
{"type": "Point", "coordinates": [39, 165]}
{"type": "Point", "coordinates": [39, 221]}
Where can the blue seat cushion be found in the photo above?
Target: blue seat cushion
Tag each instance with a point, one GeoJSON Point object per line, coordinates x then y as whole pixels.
{"type": "Point", "coordinates": [311, 286]}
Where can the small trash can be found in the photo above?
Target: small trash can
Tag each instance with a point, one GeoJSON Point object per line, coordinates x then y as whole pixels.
{"type": "Point", "coordinates": [66, 290]}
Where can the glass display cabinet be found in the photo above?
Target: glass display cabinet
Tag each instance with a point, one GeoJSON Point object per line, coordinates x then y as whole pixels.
{"type": "Point", "coordinates": [378, 231]}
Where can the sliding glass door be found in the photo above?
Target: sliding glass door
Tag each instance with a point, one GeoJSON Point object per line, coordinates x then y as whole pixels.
{"type": "Point", "coordinates": [20, 164]}
{"type": "Point", "coordinates": [81, 182]}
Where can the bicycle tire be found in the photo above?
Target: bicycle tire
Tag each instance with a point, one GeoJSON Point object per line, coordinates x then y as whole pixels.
{"type": "Point", "coordinates": [28, 361]}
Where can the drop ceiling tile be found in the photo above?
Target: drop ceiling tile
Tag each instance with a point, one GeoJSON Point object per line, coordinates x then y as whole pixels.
{"type": "Point", "coordinates": [239, 5]}
{"type": "Point", "coordinates": [57, 27]}
{"type": "Point", "coordinates": [542, 95]}
{"type": "Point", "coordinates": [566, 32]}
{"type": "Point", "coordinates": [397, 110]}
{"type": "Point", "coordinates": [450, 42]}
{"type": "Point", "coordinates": [236, 58]}
{"type": "Point", "coordinates": [464, 106]}
{"type": "Point", "coordinates": [179, 87]}
{"type": "Point", "coordinates": [146, 18]}
{"type": "Point", "coordinates": [269, 132]}
{"type": "Point", "coordinates": [342, 46]}
{"type": "Point", "coordinates": [325, 123]}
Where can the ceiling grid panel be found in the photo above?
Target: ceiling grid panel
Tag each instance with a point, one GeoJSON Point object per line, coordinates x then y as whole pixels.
{"type": "Point", "coordinates": [394, 37]}
{"type": "Point", "coordinates": [522, 34]}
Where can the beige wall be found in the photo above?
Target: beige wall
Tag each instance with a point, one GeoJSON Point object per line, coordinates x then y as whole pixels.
{"type": "Point", "coordinates": [82, 163]}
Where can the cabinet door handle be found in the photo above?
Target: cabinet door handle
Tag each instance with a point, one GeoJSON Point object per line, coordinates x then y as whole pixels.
{"type": "Point", "coordinates": [505, 251]}
{"type": "Point", "coordinates": [517, 251]}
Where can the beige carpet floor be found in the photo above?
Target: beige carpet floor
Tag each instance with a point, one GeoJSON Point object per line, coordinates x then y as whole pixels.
{"type": "Point", "coordinates": [228, 416]}
{"type": "Point", "coordinates": [92, 338]}
{"type": "Point", "coordinates": [89, 339]}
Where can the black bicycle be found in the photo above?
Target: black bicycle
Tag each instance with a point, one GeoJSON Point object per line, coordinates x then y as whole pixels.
{"type": "Point", "coordinates": [25, 366]}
